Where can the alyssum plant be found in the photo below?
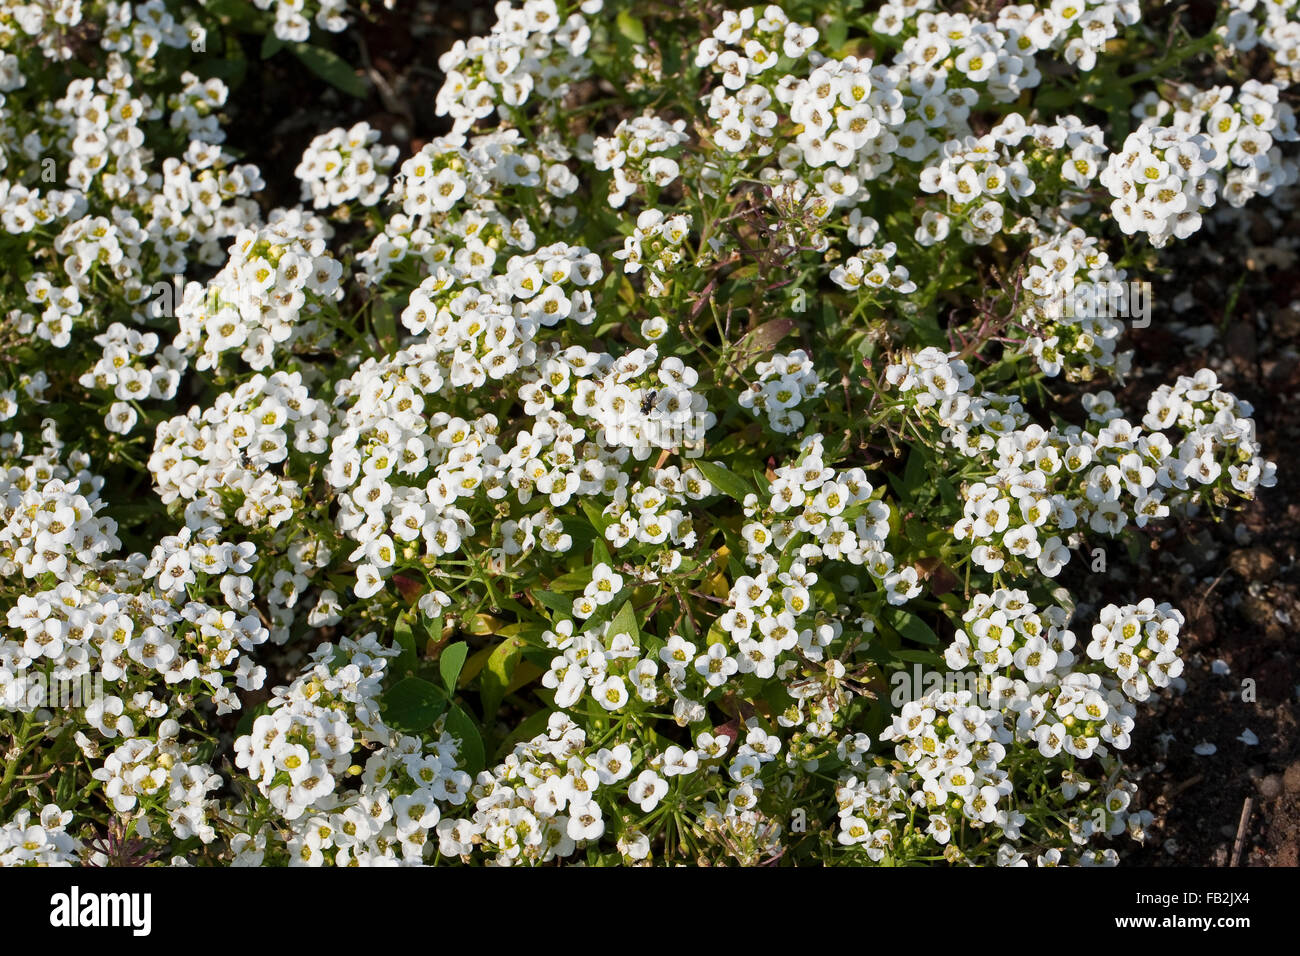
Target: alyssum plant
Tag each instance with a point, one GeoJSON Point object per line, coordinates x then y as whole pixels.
{"type": "Point", "coordinates": [571, 489]}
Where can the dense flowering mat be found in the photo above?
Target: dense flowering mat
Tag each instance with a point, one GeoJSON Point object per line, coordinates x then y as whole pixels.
{"type": "Point", "coordinates": [676, 460]}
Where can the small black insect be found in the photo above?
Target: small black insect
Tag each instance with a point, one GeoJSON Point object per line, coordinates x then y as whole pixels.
{"type": "Point", "coordinates": [648, 401]}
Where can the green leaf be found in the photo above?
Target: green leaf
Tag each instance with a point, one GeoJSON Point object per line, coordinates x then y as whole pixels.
{"type": "Point", "coordinates": [385, 322]}
{"type": "Point", "coordinates": [271, 45]}
{"type": "Point", "coordinates": [573, 581]}
{"type": "Point", "coordinates": [688, 628]}
{"type": "Point", "coordinates": [413, 704]}
{"type": "Point", "coordinates": [729, 483]}
{"type": "Point", "coordinates": [918, 657]}
{"type": "Point", "coordinates": [245, 725]}
{"type": "Point", "coordinates": [530, 631]}
{"type": "Point", "coordinates": [65, 792]}
{"type": "Point", "coordinates": [914, 475]}
{"type": "Point", "coordinates": [230, 68]}
{"type": "Point", "coordinates": [758, 342]}
{"type": "Point", "coordinates": [496, 675]}
{"type": "Point", "coordinates": [405, 663]}
{"type": "Point", "coordinates": [625, 622]}
{"type": "Point", "coordinates": [1065, 599]}
{"type": "Point", "coordinates": [910, 627]}
{"type": "Point", "coordinates": [331, 68]}
{"type": "Point", "coordinates": [837, 32]}
{"type": "Point", "coordinates": [631, 28]}
{"type": "Point", "coordinates": [556, 602]}
{"type": "Point", "coordinates": [716, 635]}
{"type": "Point", "coordinates": [582, 533]}
{"type": "Point", "coordinates": [237, 11]}
{"type": "Point", "coordinates": [462, 726]}
{"type": "Point", "coordinates": [530, 728]}
{"type": "Point", "coordinates": [450, 661]}
{"type": "Point", "coordinates": [525, 674]}
{"type": "Point", "coordinates": [948, 493]}
{"type": "Point", "coordinates": [598, 520]}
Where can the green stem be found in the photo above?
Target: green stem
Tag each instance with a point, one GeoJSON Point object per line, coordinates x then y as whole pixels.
{"type": "Point", "coordinates": [1171, 60]}
{"type": "Point", "coordinates": [11, 768]}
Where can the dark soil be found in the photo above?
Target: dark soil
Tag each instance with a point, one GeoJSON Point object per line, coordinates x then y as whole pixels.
{"type": "Point", "coordinates": [1235, 579]}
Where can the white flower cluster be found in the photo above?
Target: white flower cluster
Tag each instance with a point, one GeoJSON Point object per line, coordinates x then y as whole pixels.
{"type": "Point", "coordinates": [434, 179]}
{"type": "Point", "coordinates": [590, 662]}
{"type": "Point", "coordinates": [52, 521]}
{"type": "Point", "coordinates": [1001, 55]}
{"type": "Point", "coordinates": [43, 842]}
{"type": "Point", "coordinates": [784, 383]}
{"type": "Point", "coordinates": [869, 797]}
{"type": "Point", "coordinates": [301, 753]}
{"type": "Point", "coordinates": [156, 772]}
{"type": "Point", "coordinates": [530, 51]}
{"type": "Point", "coordinates": [1220, 434]}
{"type": "Point", "coordinates": [656, 243]}
{"type": "Point", "coordinates": [203, 200]}
{"type": "Point", "coordinates": [121, 639]}
{"type": "Point", "coordinates": [1046, 482]}
{"type": "Point", "coordinates": [113, 628]}
{"type": "Point", "coordinates": [982, 176]}
{"type": "Point", "coordinates": [1244, 129]}
{"type": "Point", "coordinates": [638, 410]}
{"type": "Point", "coordinates": [200, 199]}
{"type": "Point", "coordinates": [196, 201]}
{"type": "Point", "coordinates": [1007, 640]}
{"type": "Point", "coordinates": [148, 189]}
{"type": "Point", "coordinates": [1161, 181]}
{"type": "Point", "coordinates": [1071, 335]}
{"type": "Point", "coordinates": [640, 151]}
{"type": "Point", "coordinates": [345, 164]}
{"type": "Point", "coordinates": [293, 18]}
{"type": "Point", "coordinates": [61, 306]}
{"type": "Point", "coordinates": [1033, 693]}
{"type": "Point", "coordinates": [139, 28]}
{"type": "Point", "coordinates": [749, 42]}
{"type": "Point", "coordinates": [275, 281]}
{"type": "Point", "coordinates": [744, 46]}
{"type": "Point", "coordinates": [814, 513]}
{"type": "Point", "coordinates": [31, 385]}
{"type": "Point", "coordinates": [387, 441]}
{"type": "Point", "coordinates": [23, 209]}
{"type": "Point", "coordinates": [194, 109]}
{"type": "Point", "coordinates": [122, 370]}
{"type": "Point", "coordinates": [851, 112]}
{"type": "Point", "coordinates": [869, 269]}
{"type": "Point", "coordinates": [235, 445]}
{"type": "Point", "coordinates": [771, 628]}
{"type": "Point", "coordinates": [452, 171]}
{"type": "Point", "coordinates": [828, 514]}
{"type": "Point", "coordinates": [652, 515]}
{"type": "Point", "coordinates": [1270, 24]}
{"type": "Point", "coordinates": [933, 380]}
{"type": "Point", "coordinates": [540, 804]}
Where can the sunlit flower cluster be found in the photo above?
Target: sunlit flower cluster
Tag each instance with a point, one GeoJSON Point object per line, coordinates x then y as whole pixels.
{"type": "Point", "coordinates": [567, 486]}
